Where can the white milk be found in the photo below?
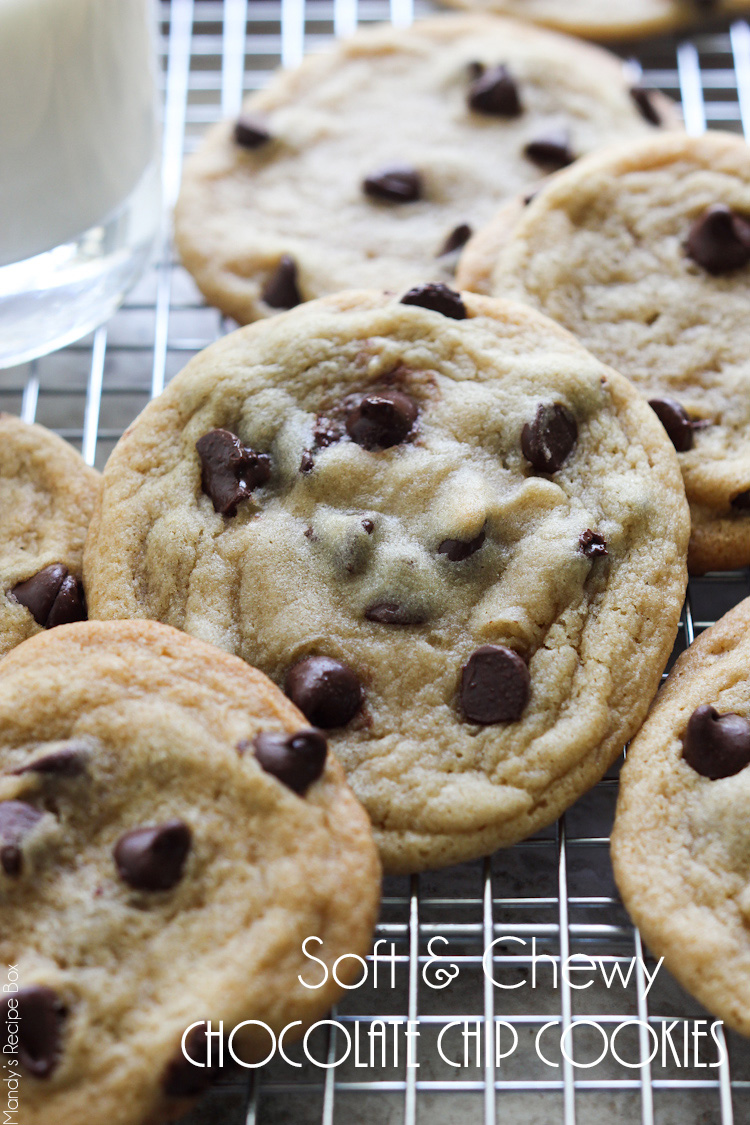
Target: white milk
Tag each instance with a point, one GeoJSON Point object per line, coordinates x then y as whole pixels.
{"type": "Point", "coordinates": [76, 116]}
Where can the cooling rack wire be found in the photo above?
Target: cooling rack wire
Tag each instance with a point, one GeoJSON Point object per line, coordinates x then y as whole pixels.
{"type": "Point", "coordinates": [557, 887]}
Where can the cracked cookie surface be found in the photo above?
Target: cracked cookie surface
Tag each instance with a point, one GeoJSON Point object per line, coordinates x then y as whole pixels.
{"type": "Point", "coordinates": [439, 486]}
{"type": "Point", "coordinates": [158, 868]}
{"type": "Point", "coordinates": [370, 164]}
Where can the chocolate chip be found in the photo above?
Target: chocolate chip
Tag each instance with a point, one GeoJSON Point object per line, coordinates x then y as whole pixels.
{"type": "Point", "coordinates": [327, 432]}
{"type": "Point", "coordinates": [392, 613]}
{"type": "Point", "coordinates": [327, 692]}
{"type": "Point", "coordinates": [40, 1018]}
{"type": "Point", "coordinates": [459, 549]}
{"type": "Point", "coordinates": [495, 92]}
{"type": "Point", "coordinates": [495, 685]}
{"type": "Point", "coordinates": [552, 151]}
{"type": "Point", "coordinates": [457, 238]}
{"type": "Point", "coordinates": [593, 545]}
{"type": "Point", "coordinates": [229, 470]}
{"type": "Point", "coordinates": [719, 240]}
{"type": "Point", "coordinates": [250, 132]}
{"type": "Point", "coordinates": [181, 1078]}
{"type": "Point", "coordinates": [368, 525]}
{"type": "Point", "coordinates": [716, 745]}
{"type": "Point", "coordinates": [281, 291]}
{"type": "Point", "coordinates": [17, 819]}
{"type": "Point", "coordinates": [153, 858]}
{"type": "Point", "coordinates": [53, 596]}
{"type": "Point", "coordinates": [438, 298]}
{"type": "Point", "coordinates": [307, 464]}
{"type": "Point", "coordinates": [297, 760]}
{"type": "Point", "coordinates": [381, 419]}
{"type": "Point", "coordinates": [547, 441]}
{"type": "Point", "coordinates": [741, 501]}
{"type": "Point", "coordinates": [675, 421]}
{"type": "Point", "coordinates": [398, 184]}
{"type": "Point", "coordinates": [644, 100]}
{"type": "Point", "coordinates": [69, 761]}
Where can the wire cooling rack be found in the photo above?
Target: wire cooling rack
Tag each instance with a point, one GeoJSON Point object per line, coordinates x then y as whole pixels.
{"type": "Point", "coordinates": [556, 888]}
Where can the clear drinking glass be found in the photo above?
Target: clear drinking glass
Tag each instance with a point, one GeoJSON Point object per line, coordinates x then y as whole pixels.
{"type": "Point", "coordinates": [79, 170]}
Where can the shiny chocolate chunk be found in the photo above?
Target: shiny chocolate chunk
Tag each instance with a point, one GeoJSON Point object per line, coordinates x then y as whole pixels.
{"type": "Point", "coordinates": [250, 132]}
{"type": "Point", "coordinates": [456, 550]}
{"type": "Point", "coordinates": [69, 605]}
{"type": "Point", "coordinates": [741, 502]}
{"type": "Point", "coordinates": [593, 545]}
{"type": "Point", "coordinates": [675, 421]}
{"type": "Point", "coordinates": [52, 596]}
{"type": "Point", "coordinates": [716, 745]}
{"type": "Point", "coordinates": [392, 613]}
{"type": "Point", "coordinates": [281, 291]}
{"type": "Point", "coordinates": [495, 685]}
{"type": "Point", "coordinates": [307, 463]}
{"type": "Point", "coordinates": [17, 819]}
{"type": "Point", "coordinates": [368, 525]}
{"type": "Point", "coordinates": [181, 1078]}
{"type": "Point", "coordinates": [438, 298]}
{"type": "Point", "coordinates": [398, 184]}
{"type": "Point", "coordinates": [68, 761]}
{"type": "Point", "coordinates": [36, 1015]}
{"type": "Point", "coordinates": [719, 240]}
{"type": "Point", "coordinates": [327, 692]}
{"type": "Point", "coordinates": [229, 470]}
{"type": "Point", "coordinates": [549, 439]}
{"type": "Point", "coordinates": [381, 419]}
{"type": "Point", "coordinates": [495, 92]}
{"type": "Point", "coordinates": [153, 858]}
{"type": "Point", "coordinates": [644, 100]}
{"type": "Point", "coordinates": [297, 760]}
{"type": "Point", "coordinates": [551, 151]}
{"type": "Point", "coordinates": [457, 239]}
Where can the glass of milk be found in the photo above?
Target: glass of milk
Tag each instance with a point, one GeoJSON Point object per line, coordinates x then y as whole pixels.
{"type": "Point", "coordinates": [79, 172]}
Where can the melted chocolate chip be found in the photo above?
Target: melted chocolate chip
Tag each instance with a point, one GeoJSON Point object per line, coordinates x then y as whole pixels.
{"type": "Point", "coordinates": [327, 692]}
{"type": "Point", "coordinates": [495, 685]}
{"type": "Point", "coordinates": [41, 1016]}
{"type": "Point", "coordinates": [675, 421]}
{"type": "Point", "coordinates": [68, 761]}
{"type": "Point", "coordinates": [53, 596]}
{"type": "Point", "coordinates": [457, 238]}
{"type": "Point", "coordinates": [549, 439]}
{"type": "Point", "coordinates": [716, 745]}
{"type": "Point", "coordinates": [719, 240]}
{"type": "Point", "coordinates": [392, 613]}
{"type": "Point", "coordinates": [297, 760]}
{"type": "Point", "coordinates": [438, 298]}
{"type": "Point", "coordinates": [17, 819]}
{"type": "Point", "coordinates": [153, 858]}
{"type": "Point", "coordinates": [552, 151]}
{"type": "Point", "coordinates": [593, 545]}
{"type": "Point", "coordinates": [644, 100]}
{"type": "Point", "coordinates": [250, 132]}
{"type": "Point", "coordinates": [306, 464]}
{"type": "Point", "coordinates": [494, 91]}
{"type": "Point", "coordinates": [182, 1079]}
{"type": "Point", "coordinates": [741, 502]}
{"type": "Point", "coordinates": [229, 470]}
{"type": "Point", "coordinates": [381, 419]}
{"type": "Point", "coordinates": [281, 290]}
{"type": "Point", "coordinates": [398, 184]}
{"type": "Point", "coordinates": [457, 550]}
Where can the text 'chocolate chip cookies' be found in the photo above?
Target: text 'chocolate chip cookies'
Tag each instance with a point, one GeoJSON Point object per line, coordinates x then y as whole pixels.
{"type": "Point", "coordinates": [371, 163]}
{"type": "Point", "coordinates": [643, 251]}
{"type": "Point", "coordinates": [171, 831]}
{"type": "Point", "coordinates": [467, 561]}
{"type": "Point", "coordinates": [681, 841]}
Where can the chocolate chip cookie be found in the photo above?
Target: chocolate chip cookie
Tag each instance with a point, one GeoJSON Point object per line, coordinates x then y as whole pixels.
{"type": "Point", "coordinates": [643, 251]}
{"type": "Point", "coordinates": [681, 841]}
{"type": "Point", "coordinates": [172, 829]}
{"type": "Point", "coordinates": [373, 162]}
{"type": "Point", "coordinates": [610, 19]}
{"type": "Point", "coordinates": [46, 498]}
{"type": "Point", "coordinates": [452, 535]}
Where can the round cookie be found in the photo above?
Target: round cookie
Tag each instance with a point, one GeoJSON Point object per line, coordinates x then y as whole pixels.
{"type": "Point", "coordinates": [681, 840]}
{"type": "Point", "coordinates": [370, 164]}
{"type": "Point", "coordinates": [479, 527]}
{"type": "Point", "coordinates": [171, 831]}
{"type": "Point", "coordinates": [610, 19]}
{"type": "Point", "coordinates": [47, 496]}
{"type": "Point", "coordinates": [643, 251]}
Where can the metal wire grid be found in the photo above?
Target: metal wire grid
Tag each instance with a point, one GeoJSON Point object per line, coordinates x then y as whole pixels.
{"type": "Point", "coordinates": [557, 887]}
